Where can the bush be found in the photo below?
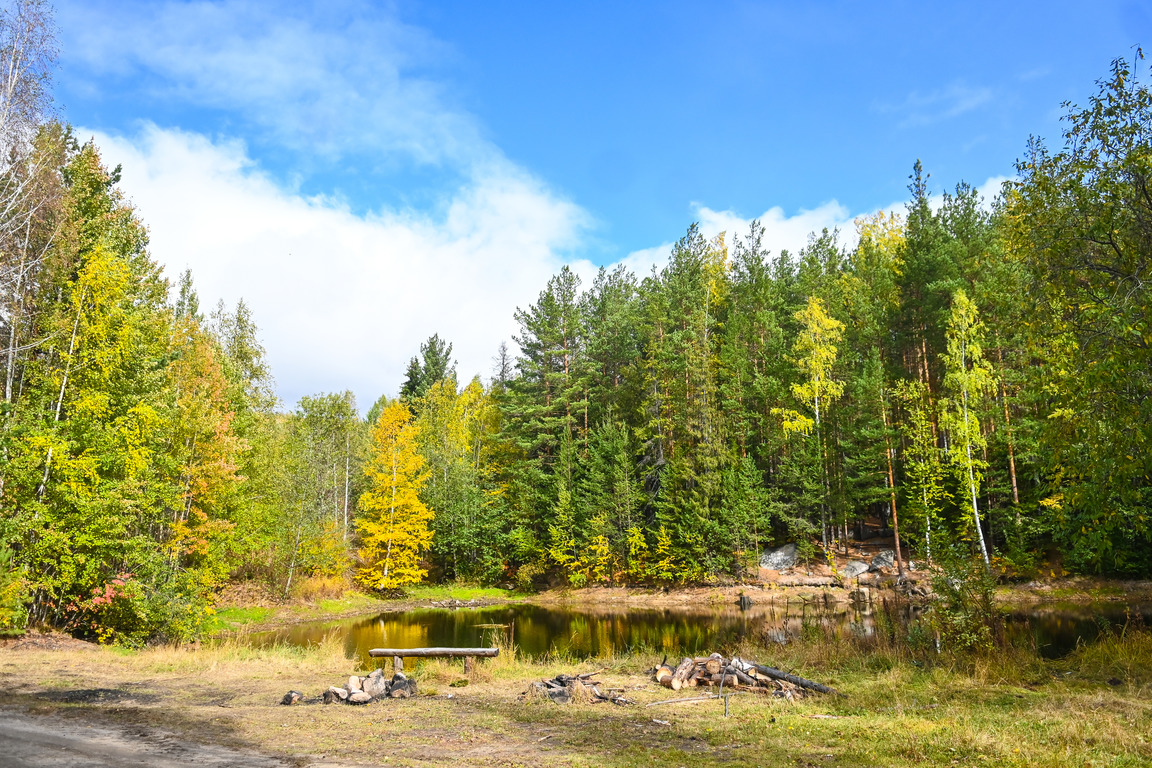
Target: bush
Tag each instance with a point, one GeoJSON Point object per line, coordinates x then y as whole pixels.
{"type": "Point", "coordinates": [964, 613]}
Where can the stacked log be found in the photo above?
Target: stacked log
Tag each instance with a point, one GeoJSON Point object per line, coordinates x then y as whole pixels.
{"type": "Point", "coordinates": [579, 689]}
{"type": "Point", "coordinates": [734, 673]}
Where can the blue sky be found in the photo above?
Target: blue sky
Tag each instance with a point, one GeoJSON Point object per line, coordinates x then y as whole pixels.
{"type": "Point", "coordinates": [367, 174]}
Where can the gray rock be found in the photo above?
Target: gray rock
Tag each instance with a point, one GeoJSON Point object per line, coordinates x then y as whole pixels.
{"type": "Point", "coordinates": [560, 695]}
{"type": "Point", "coordinates": [291, 698]}
{"type": "Point", "coordinates": [376, 686]}
{"type": "Point", "coordinates": [402, 689]}
{"type": "Point", "coordinates": [354, 684]}
{"type": "Point", "coordinates": [779, 559]}
{"type": "Point", "coordinates": [359, 697]}
{"type": "Point", "coordinates": [340, 693]}
{"type": "Point", "coordinates": [853, 569]}
{"type": "Point", "coordinates": [885, 558]}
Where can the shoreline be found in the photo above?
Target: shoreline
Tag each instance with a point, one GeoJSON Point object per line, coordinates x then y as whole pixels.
{"type": "Point", "coordinates": [274, 616]}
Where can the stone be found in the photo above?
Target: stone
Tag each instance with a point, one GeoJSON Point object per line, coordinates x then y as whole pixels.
{"type": "Point", "coordinates": [885, 558]}
{"type": "Point", "coordinates": [340, 693]}
{"type": "Point", "coordinates": [376, 686]}
{"type": "Point", "coordinates": [853, 569]}
{"type": "Point", "coordinates": [376, 673]}
{"type": "Point", "coordinates": [354, 684]}
{"type": "Point", "coordinates": [578, 692]}
{"type": "Point", "coordinates": [402, 689]}
{"type": "Point", "coordinates": [291, 698]}
{"type": "Point", "coordinates": [359, 697]}
{"type": "Point", "coordinates": [779, 559]}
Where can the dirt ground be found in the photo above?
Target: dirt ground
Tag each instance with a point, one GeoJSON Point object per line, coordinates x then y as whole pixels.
{"type": "Point", "coordinates": [71, 704]}
{"type": "Point", "coordinates": [56, 741]}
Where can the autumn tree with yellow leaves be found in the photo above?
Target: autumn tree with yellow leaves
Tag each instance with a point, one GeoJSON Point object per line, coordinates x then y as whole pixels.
{"type": "Point", "coordinates": [394, 522]}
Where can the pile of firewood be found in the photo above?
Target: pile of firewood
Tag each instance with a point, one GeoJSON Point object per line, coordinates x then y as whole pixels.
{"type": "Point", "coordinates": [734, 674]}
{"type": "Point", "coordinates": [581, 689]}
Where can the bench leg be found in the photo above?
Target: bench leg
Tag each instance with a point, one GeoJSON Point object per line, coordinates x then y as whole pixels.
{"type": "Point", "coordinates": [397, 664]}
{"type": "Point", "coordinates": [469, 664]}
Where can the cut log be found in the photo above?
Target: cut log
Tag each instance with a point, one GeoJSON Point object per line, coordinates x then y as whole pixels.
{"type": "Point", "coordinates": [740, 676]}
{"type": "Point", "coordinates": [777, 674]}
{"type": "Point", "coordinates": [713, 664]}
{"type": "Point", "coordinates": [686, 668]}
{"type": "Point", "coordinates": [664, 675]}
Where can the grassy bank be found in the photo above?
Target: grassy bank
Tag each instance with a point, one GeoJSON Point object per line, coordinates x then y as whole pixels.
{"type": "Point", "coordinates": [250, 609]}
{"type": "Point", "coordinates": [1008, 708]}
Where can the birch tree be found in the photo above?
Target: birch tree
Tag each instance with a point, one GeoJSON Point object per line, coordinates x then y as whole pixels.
{"type": "Point", "coordinates": [968, 380]}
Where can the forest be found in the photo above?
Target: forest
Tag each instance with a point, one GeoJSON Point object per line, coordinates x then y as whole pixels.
{"type": "Point", "coordinates": [977, 372]}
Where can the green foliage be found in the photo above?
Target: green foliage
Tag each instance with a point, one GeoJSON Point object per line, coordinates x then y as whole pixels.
{"type": "Point", "coordinates": [1077, 220]}
{"type": "Point", "coordinates": [434, 365]}
{"type": "Point", "coordinates": [963, 614]}
{"type": "Point", "coordinates": [652, 429]}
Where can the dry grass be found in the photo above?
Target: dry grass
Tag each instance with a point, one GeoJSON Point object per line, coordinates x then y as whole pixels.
{"type": "Point", "coordinates": [1005, 709]}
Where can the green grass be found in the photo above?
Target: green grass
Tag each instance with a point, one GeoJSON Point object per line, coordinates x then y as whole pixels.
{"type": "Point", "coordinates": [459, 592]}
{"type": "Point", "coordinates": [349, 602]}
{"type": "Point", "coordinates": [233, 618]}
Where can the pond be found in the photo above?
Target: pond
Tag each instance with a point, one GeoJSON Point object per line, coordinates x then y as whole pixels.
{"type": "Point", "coordinates": [588, 631]}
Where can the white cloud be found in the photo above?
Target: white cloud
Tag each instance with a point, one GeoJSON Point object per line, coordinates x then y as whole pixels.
{"type": "Point", "coordinates": [343, 301]}
{"type": "Point", "coordinates": [784, 232]}
{"type": "Point", "coordinates": [990, 189]}
{"type": "Point", "coordinates": [780, 230]}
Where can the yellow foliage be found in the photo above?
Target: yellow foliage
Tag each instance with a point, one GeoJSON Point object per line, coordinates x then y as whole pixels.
{"type": "Point", "coordinates": [394, 524]}
{"type": "Point", "coordinates": [815, 350]}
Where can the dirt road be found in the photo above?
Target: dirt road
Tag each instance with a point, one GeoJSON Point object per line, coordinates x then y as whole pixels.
{"type": "Point", "coordinates": [48, 741]}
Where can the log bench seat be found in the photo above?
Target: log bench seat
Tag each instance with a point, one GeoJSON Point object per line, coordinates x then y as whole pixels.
{"type": "Point", "coordinates": [398, 654]}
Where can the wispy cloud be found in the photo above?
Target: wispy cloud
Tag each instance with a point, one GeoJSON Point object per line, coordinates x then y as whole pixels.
{"type": "Point", "coordinates": [920, 109]}
{"type": "Point", "coordinates": [327, 81]}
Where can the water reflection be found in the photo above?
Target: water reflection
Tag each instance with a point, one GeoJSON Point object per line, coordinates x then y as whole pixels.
{"type": "Point", "coordinates": [584, 631]}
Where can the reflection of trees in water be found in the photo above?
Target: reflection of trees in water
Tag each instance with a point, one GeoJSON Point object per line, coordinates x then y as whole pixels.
{"type": "Point", "coordinates": [591, 631]}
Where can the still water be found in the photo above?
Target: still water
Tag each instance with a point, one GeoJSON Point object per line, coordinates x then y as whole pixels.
{"type": "Point", "coordinates": [584, 631]}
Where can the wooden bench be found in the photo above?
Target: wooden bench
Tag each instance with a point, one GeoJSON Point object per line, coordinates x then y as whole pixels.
{"type": "Point", "coordinates": [469, 655]}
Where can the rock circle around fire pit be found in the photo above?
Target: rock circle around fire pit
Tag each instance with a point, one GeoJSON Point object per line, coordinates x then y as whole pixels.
{"type": "Point", "coordinates": [362, 690]}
